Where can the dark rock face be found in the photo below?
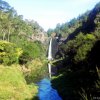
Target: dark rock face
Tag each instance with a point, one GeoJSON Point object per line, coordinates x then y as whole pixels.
{"type": "Point", "coordinates": [54, 47]}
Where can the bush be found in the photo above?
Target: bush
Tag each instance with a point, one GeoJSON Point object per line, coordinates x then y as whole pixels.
{"type": "Point", "coordinates": [38, 70]}
{"type": "Point", "coordinates": [9, 53]}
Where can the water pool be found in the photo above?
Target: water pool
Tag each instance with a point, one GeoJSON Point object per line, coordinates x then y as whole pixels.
{"type": "Point", "coordinates": [46, 92]}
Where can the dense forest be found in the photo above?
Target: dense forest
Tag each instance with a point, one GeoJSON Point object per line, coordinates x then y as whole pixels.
{"type": "Point", "coordinates": [22, 55]}
{"type": "Point", "coordinates": [78, 73]}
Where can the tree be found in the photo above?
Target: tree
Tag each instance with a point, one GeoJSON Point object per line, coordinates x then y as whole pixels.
{"type": "Point", "coordinates": [49, 32]}
{"type": "Point", "coordinates": [4, 6]}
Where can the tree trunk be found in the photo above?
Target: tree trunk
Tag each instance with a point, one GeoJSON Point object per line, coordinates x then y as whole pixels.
{"type": "Point", "coordinates": [8, 34]}
{"type": "Point", "coordinates": [4, 34]}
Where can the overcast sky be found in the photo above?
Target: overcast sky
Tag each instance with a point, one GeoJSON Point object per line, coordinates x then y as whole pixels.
{"type": "Point", "coordinates": [50, 12]}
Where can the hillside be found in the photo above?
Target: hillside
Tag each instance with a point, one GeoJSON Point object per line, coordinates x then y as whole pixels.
{"type": "Point", "coordinates": [79, 72]}
{"type": "Point", "coordinates": [22, 54]}
{"type": "Point", "coordinates": [13, 85]}
{"type": "Point", "coordinates": [86, 23]}
{"type": "Point", "coordinates": [14, 26]}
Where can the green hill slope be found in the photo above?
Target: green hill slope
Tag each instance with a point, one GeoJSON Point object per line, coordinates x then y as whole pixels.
{"type": "Point", "coordinates": [13, 85]}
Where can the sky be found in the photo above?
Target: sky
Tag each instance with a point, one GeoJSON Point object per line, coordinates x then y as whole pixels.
{"type": "Point", "coordinates": [50, 12]}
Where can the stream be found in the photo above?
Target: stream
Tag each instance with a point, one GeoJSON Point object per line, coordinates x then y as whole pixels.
{"type": "Point", "coordinates": [46, 92]}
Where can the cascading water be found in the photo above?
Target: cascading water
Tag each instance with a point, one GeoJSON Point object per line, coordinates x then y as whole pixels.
{"type": "Point", "coordinates": [49, 68]}
{"type": "Point", "coordinates": [46, 92]}
{"type": "Point", "coordinates": [50, 50]}
{"type": "Point", "coordinates": [50, 57]}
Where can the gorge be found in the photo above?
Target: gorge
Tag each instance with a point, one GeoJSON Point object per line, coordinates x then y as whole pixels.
{"type": "Point", "coordinates": [60, 64]}
{"type": "Point", "coordinates": [46, 92]}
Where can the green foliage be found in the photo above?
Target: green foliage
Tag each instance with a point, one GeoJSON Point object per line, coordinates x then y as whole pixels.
{"type": "Point", "coordinates": [4, 6]}
{"type": "Point", "coordinates": [12, 25]}
{"type": "Point", "coordinates": [20, 32]}
{"type": "Point", "coordinates": [84, 95]}
{"type": "Point", "coordinates": [80, 71]}
{"type": "Point", "coordinates": [79, 47]}
{"type": "Point", "coordinates": [31, 50]}
{"type": "Point", "coordinates": [82, 52]}
{"type": "Point", "coordinates": [68, 28]}
{"type": "Point", "coordinates": [49, 32]}
{"type": "Point", "coordinates": [13, 85]}
{"type": "Point", "coordinates": [84, 45]}
{"type": "Point", "coordinates": [9, 53]}
{"type": "Point", "coordinates": [38, 70]}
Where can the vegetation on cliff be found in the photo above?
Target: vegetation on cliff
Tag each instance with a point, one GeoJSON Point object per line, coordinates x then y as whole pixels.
{"type": "Point", "coordinates": [79, 72]}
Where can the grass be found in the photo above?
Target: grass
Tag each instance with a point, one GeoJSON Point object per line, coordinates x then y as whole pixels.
{"type": "Point", "coordinates": [13, 85]}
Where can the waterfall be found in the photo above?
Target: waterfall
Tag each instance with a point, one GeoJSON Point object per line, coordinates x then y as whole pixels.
{"type": "Point", "coordinates": [50, 56]}
{"type": "Point", "coordinates": [49, 67]}
{"type": "Point", "coordinates": [46, 92]}
{"type": "Point", "coordinates": [50, 50]}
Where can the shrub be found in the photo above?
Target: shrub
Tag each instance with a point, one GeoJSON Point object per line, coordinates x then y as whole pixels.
{"type": "Point", "coordinates": [9, 53]}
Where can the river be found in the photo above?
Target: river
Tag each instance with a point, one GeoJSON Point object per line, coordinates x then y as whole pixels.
{"type": "Point", "coordinates": [46, 92]}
